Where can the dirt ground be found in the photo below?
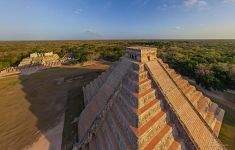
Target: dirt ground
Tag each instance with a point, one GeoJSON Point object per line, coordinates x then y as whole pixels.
{"type": "Point", "coordinates": [32, 106]}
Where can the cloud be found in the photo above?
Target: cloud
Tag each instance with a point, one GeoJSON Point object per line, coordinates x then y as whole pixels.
{"type": "Point", "coordinates": [78, 11]}
{"type": "Point", "coordinates": [190, 3]}
{"type": "Point", "coordinates": [178, 28]}
{"type": "Point", "coordinates": [195, 3]}
{"type": "Point", "coordinates": [141, 3]}
{"type": "Point", "coordinates": [229, 1]}
{"type": "Point", "coordinates": [91, 32]}
{"type": "Point", "coordinates": [202, 3]}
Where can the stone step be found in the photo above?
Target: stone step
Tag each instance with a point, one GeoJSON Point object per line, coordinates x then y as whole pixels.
{"type": "Point", "coordinates": [219, 118]}
{"type": "Point", "coordinates": [220, 115]}
{"type": "Point", "coordinates": [165, 65]}
{"type": "Point", "coordinates": [195, 97]}
{"type": "Point", "coordinates": [175, 145]}
{"type": "Point", "coordinates": [138, 100]}
{"type": "Point", "coordinates": [171, 71]}
{"type": "Point", "coordinates": [198, 128]}
{"type": "Point", "coordinates": [148, 106]}
{"type": "Point", "coordinates": [139, 110]}
{"type": "Point", "coordinates": [102, 141]}
{"type": "Point", "coordinates": [151, 128]}
{"type": "Point", "coordinates": [119, 133]}
{"type": "Point", "coordinates": [165, 131]}
{"type": "Point", "coordinates": [97, 142]}
{"type": "Point", "coordinates": [139, 71]}
{"type": "Point", "coordinates": [189, 90]}
{"type": "Point", "coordinates": [217, 127]}
{"type": "Point", "coordinates": [148, 125]}
{"type": "Point", "coordinates": [138, 76]}
{"type": "Point", "coordinates": [108, 139]}
{"type": "Point", "coordinates": [203, 105]}
{"type": "Point", "coordinates": [212, 109]}
{"type": "Point", "coordinates": [125, 122]}
{"type": "Point", "coordinates": [138, 66]}
{"type": "Point", "coordinates": [138, 86]}
{"type": "Point", "coordinates": [182, 83]}
{"type": "Point", "coordinates": [147, 131]}
{"type": "Point", "coordinates": [176, 77]}
{"type": "Point", "coordinates": [140, 116]}
{"type": "Point", "coordinates": [111, 136]}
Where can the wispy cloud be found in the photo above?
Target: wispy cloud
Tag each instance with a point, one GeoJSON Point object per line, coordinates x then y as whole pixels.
{"type": "Point", "coordinates": [178, 28]}
{"type": "Point", "coordinates": [78, 11]}
{"type": "Point", "coordinates": [141, 3]}
{"type": "Point", "coordinates": [195, 3]}
{"type": "Point", "coordinates": [91, 31]}
{"type": "Point", "coordinates": [229, 1]}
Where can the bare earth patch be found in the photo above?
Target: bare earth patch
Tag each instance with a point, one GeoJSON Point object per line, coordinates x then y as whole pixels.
{"type": "Point", "coordinates": [31, 106]}
{"type": "Point", "coordinates": [54, 135]}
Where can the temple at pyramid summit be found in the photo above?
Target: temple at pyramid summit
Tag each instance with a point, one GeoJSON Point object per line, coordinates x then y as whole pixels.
{"type": "Point", "coordinates": [141, 103]}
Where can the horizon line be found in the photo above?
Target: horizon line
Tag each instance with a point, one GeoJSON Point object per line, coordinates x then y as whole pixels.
{"type": "Point", "coordinates": [173, 39]}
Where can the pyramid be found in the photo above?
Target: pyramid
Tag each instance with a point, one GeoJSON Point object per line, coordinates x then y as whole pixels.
{"type": "Point", "coordinates": [140, 103]}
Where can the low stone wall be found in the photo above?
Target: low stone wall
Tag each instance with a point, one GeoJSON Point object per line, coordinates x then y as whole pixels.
{"type": "Point", "coordinates": [27, 69]}
{"type": "Point", "coordinates": [91, 89]}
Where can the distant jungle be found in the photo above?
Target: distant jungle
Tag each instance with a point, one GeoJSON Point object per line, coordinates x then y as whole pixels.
{"type": "Point", "coordinates": [210, 62]}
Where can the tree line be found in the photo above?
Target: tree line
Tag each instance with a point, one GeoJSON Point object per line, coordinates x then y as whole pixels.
{"type": "Point", "coordinates": [210, 62]}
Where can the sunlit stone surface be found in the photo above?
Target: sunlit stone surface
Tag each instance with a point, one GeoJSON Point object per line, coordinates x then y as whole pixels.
{"type": "Point", "coordinates": [140, 103]}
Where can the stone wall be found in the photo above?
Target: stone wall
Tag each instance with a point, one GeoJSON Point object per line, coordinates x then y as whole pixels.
{"type": "Point", "coordinates": [92, 109]}
{"type": "Point", "coordinates": [91, 89]}
{"type": "Point", "coordinates": [41, 58]}
{"type": "Point", "coordinates": [27, 69]}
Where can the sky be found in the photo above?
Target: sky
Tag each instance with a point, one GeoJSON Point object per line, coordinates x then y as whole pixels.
{"type": "Point", "coordinates": [116, 19]}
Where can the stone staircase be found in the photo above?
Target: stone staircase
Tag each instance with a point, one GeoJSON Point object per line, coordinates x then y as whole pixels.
{"type": "Point", "coordinates": [137, 116]}
{"type": "Point", "coordinates": [180, 99]}
{"type": "Point", "coordinates": [140, 103]}
{"type": "Point", "coordinates": [208, 110]}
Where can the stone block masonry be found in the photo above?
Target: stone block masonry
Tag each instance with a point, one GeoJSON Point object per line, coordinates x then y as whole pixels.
{"type": "Point", "coordinates": [140, 103]}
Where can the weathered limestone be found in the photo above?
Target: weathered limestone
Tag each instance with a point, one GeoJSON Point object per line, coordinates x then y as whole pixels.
{"type": "Point", "coordinates": [140, 103]}
{"type": "Point", "coordinates": [34, 63]}
{"type": "Point", "coordinates": [203, 104]}
{"type": "Point", "coordinates": [46, 59]}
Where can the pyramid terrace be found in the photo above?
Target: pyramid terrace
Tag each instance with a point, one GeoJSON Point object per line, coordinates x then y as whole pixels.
{"type": "Point", "coordinates": [141, 103]}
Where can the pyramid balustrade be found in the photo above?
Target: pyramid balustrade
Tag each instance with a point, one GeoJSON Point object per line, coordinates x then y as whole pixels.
{"type": "Point", "coordinates": [143, 104]}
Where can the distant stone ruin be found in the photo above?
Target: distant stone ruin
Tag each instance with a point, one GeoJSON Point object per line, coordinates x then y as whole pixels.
{"type": "Point", "coordinates": [141, 103]}
{"type": "Point", "coordinates": [46, 59]}
{"type": "Point", "coordinates": [35, 62]}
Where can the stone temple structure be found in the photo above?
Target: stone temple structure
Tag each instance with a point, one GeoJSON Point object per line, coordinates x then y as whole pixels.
{"type": "Point", "coordinates": [140, 103]}
{"type": "Point", "coordinates": [46, 59]}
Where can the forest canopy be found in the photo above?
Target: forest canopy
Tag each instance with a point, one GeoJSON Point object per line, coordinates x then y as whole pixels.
{"type": "Point", "coordinates": [210, 62]}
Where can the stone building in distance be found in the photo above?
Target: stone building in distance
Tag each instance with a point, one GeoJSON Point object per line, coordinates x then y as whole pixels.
{"type": "Point", "coordinates": [140, 103]}
{"type": "Point", "coordinates": [47, 59]}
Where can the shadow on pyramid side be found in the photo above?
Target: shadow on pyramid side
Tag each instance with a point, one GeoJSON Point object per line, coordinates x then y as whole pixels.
{"type": "Point", "coordinates": [140, 103]}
